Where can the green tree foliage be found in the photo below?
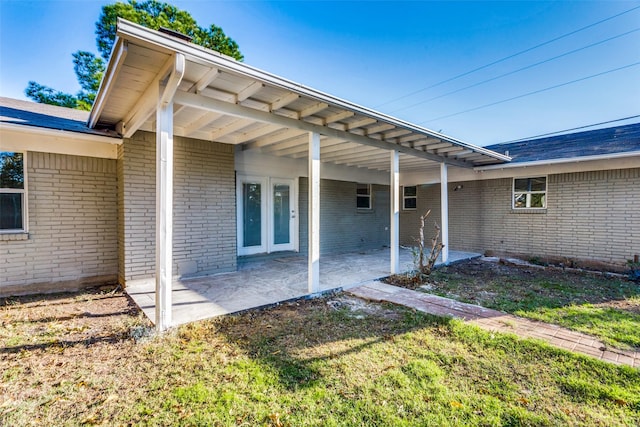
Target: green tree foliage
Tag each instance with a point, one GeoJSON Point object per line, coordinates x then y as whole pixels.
{"type": "Point", "coordinates": [11, 170]}
{"type": "Point", "coordinates": [153, 14]}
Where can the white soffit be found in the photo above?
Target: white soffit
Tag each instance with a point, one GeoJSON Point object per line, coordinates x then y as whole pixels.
{"type": "Point", "coordinates": [223, 100]}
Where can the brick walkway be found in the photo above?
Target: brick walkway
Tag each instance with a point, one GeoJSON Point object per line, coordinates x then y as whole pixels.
{"type": "Point", "coordinates": [496, 321]}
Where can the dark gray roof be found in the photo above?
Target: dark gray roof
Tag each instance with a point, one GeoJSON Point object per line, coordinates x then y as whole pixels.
{"type": "Point", "coordinates": [29, 113]}
{"type": "Point", "coordinates": [620, 139]}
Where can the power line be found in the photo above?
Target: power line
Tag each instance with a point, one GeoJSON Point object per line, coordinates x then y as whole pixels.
{"type": "Point", "coordinates": [532, 93]}
{"type": "Point", "coordinates": [571, 129]}
{"type": "Point", "coordinates": [510, 56]}
{"type": "Point", "coordinates": [515, 71]}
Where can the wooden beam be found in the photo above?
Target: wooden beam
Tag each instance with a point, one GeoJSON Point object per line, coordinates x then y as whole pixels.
{"type": "Point", "coordinates": [205, 80]}
{"type": "Point", "coordinates": [324, 143]}
{"type": "Point", "coordinates": [312, 109]}
{"type": "Point", "coordinates": [263, 130]}
{"type": "Point", "coordinates": [379, 128]}
{"type": "Point", "coordinates": [313, 233]}
{"type": "Point", "coordinates": [450, 149]}
{"type": "Point", "coordinates": [394, 229]}
{"type": "Point", "coordinates": [231, 127]}
{"type": "Point", "coordinates": [289, 143]}
{"type": "Point", "coordinates": [146, 103]}
{"type": "Point", "coordinates": [272, 138]}
{"type": "Point", "coordinates": [412, 138]}
{"type": "Point", "coordinates": [201, 122]}
{"type": "Point", "coordinates": [338, 116]}
{"type": "Point", "coordinates": [164, 215]}
{"type": "Point", "coordinates": [164, 193]}
{"type": "Point", "coordinates": [249, 91]}
{"type": "Point", "coordinates": [395, 133]}
{"type": "Point", "coordinates": [444, 205]}
{"type": "Point", "coordinates": [283, 101]}
{"type": "Point", "coordinates": [437, 146]}
{"type": "Point", "coordinates": [240, 111]}
{"type": "Point", "coordinates": [362, 153]}
{"type": "Point", "coordinates": [359, 123]}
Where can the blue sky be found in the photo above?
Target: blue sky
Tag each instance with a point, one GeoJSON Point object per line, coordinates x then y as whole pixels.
{"type": "Point", "coordinates": [391, 56]}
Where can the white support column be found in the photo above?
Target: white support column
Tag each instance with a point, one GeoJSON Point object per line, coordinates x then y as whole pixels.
{"type": "Point", "coordinates": [444, 204]}
{"type": "Point", "coordinates": [314, 212]}
{"type": "Point", "coordinates": [164, 214]}
{"type": "Point", "coordinates": [394, 191]}
{"type": "Point", "coordinates": [164, 193]}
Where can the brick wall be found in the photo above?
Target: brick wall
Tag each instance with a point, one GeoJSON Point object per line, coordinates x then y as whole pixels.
{"type": "Point", "coordinates": [204, 218]}
{"type": "Point", "coordinates": [589, 216]}
{"type": "Point", "coordinates": [72, 240]}
{"type": "Point", "coordinates": [343, 228]}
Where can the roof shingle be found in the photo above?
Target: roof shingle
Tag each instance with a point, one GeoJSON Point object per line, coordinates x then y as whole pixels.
{"type": "Point", "coordinates": [614, 140]}
{"type": "Point", "coordinates": [27, 113]}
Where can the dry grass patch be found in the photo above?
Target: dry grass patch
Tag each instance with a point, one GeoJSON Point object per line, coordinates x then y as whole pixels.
{"type": "Point", "coordinates": [331, 361]}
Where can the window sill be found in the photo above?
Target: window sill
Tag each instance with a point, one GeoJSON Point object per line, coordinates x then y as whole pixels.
{"type": "Point", "coordinates": [5, 237]}
{"type": "Point", "coordinates": [529, 211]}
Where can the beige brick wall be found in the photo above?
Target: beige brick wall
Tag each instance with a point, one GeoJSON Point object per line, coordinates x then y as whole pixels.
{"type": "Point", "coordinates": [589, 216]}
{"type": "Point", "coordinates": [204, 218]}
{"type": "Point", "coordinates": [72, 238]}
{"type": "Point", "coordinates": [343, 227]}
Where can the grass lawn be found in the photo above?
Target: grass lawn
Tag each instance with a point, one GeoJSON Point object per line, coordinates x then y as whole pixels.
{"type": "Point", "coordinates": [335, 361]}
{"type": "Point", "coordinates": [602, 306]}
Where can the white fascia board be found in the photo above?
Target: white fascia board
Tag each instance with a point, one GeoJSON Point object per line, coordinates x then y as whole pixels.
{"type": "Point", "coordinates": [201, 55]}
{"type": "Point", "coordinates": [617, 161]}
{"type": "Point", "coordinates": [116, 59]}
{"type": "Point", "coordinates": [29, 138]}
{"type": "Point", "coordinates": [560, 161]}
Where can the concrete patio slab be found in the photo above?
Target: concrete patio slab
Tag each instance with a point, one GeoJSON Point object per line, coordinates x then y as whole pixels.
{"type": "Point", "coordinates": [268, 280]}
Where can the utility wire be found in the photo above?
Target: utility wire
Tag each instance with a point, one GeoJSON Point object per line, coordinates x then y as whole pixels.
{"type": "Point", "coordinates": [510, 56]}
{"type": "Point", "coordinates": [515, 71]}
{"type": "Point", "coordinates": [531, 93]}
{"type": "Point", "coordinates": [572, 129]}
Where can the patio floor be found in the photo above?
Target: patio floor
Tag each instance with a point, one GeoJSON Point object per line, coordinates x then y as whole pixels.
{"type": "Point", "coordinates": [264, 281]}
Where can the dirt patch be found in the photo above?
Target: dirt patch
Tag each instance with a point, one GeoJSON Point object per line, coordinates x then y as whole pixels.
{"type": "Point", "coordinates": [358, 308]}
{"type": "Point", "coordinates": [510, 285]}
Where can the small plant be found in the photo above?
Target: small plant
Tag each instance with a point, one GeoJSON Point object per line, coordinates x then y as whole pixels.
{"type": "Point", "coordinates": [426, 261]}
{"type": "Point", "coordinates": [634, 269]}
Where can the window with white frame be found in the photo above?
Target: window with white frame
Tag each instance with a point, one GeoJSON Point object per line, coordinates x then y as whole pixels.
{"type": "Point", "coordinates": [530, 193]}
{"type": "Point", "coordinates": [12, 192]}
{"type": "Point", "coordinates": [363, 196]}
{"type": "Point", "coordinates": [409, 198]}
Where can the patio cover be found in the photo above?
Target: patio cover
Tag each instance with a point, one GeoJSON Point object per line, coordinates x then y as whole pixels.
{"type": "Point", "coordinates": [221, 99]}
{"type": "Point", "coordinates": [159, 82]}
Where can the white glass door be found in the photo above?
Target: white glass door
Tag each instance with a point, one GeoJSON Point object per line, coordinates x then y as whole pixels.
{"type": "Point", "coordinates": [266, 215]}
{"type": "Point", "coordinates": [282, 215]}
{"type": "Point", "coordinates": [251, 194]}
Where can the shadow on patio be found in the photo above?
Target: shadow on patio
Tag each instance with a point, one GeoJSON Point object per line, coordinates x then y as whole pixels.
{"type": "Point", "coordinates": [264, 281]}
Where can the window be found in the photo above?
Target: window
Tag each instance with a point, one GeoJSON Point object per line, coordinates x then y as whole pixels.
{"type": "Point", "coordinates": [409, 197]}
{"type": "Point", "coordinates": [363, 196]}
{"type": "Point", "coordinates": [530, 193]}
{"type": "Point", "coordinates": [12, 192]}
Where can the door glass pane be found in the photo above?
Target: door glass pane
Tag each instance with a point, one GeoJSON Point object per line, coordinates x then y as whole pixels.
{"type": "Point", "coordinates": [281, 214]}
{"type": "Point", "coordinates": [251, 221]}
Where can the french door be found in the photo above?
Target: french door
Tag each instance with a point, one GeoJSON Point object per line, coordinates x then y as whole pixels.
{"type": "Point", "coordinates": [267, 215]}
